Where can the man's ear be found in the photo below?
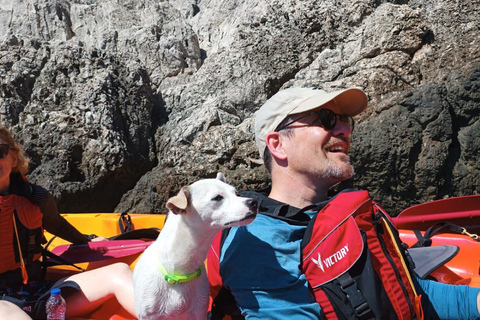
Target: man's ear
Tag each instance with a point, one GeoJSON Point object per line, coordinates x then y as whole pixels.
{"type": "Point", "coordinates": [274, 142]}
{"type": "Point", "coordinates": [179, 203]}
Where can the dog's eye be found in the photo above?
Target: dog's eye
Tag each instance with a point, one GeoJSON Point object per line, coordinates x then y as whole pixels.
{"type": "Point", "coordinates": [218, 198]}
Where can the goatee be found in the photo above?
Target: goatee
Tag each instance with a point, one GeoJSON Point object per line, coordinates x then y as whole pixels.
{"type": "Point", "coordinates": [338, 170]}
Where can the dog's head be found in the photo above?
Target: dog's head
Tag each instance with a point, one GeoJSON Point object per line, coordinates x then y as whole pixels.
{"type": "Point", "coordinates": [213, 202]}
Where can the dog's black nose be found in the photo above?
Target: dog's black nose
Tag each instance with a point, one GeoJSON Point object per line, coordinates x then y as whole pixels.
{"type": "Point", "coordinates": [252, 204]}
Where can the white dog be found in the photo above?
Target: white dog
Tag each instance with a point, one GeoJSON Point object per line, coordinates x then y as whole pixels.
{"type": "Point", "coordinates": [169, 278]}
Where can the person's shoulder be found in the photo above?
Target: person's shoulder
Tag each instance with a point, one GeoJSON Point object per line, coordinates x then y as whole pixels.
{"type": "Point", "coordinates": [40, 195]}
{"type": "Point", "coordinates": [263, 228]}
{"type": "Point", "coordinates": [38, 189]}
{"type": "Point", "coordinates": [261, 221]}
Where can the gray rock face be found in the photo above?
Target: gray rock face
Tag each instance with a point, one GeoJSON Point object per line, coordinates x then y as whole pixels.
{"type": "Point", "coordinates": [119, 104]}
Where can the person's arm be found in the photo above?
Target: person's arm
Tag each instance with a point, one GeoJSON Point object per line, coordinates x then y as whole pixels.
{"type": "Point", "coordinates": [478, 302]}
{"type": "Point", "coordinates": [53, 222]}
{"type": "Point", "coordinates": [447, 301]}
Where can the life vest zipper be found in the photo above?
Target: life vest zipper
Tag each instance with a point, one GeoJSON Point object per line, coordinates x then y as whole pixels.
{"type": "Point", "coordinates": [23, 267]}
{"type": "Point", "coordinates": [380, 230]}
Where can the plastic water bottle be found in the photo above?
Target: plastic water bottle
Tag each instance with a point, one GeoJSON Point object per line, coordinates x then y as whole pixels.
{"type": "Point", "coordinates": [56, 305]}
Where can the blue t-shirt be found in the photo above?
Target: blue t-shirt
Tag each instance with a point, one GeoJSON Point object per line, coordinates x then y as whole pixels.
{"type": "Point", "coordinates": [260, 265]}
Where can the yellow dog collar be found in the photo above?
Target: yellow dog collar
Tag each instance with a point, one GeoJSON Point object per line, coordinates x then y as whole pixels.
{"type": "Point", "coordinates": [174, 279]}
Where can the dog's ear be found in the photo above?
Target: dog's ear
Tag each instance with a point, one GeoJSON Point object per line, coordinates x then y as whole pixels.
{"type": "Point", "coordinates": [179, 203]}
{"type": "Point", "coordinates": [221, 177]}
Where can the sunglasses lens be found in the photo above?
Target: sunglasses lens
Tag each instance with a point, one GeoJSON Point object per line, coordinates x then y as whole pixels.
{"type": "Point", "coordinates": [327, 118]}
{"type": "Point", "coordinates": [347, 120]}
{"type": "Point", "coordinates": [4, 148]}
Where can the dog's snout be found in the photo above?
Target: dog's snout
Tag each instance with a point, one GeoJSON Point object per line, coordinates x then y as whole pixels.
{"type": "Point", "coordinates": [252, 204]}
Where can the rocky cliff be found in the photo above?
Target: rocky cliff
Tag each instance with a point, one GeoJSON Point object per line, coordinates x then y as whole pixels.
{"type": "Point", "coordinates": [120, 103]}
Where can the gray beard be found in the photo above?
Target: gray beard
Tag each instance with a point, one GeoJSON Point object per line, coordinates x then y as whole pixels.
{"type": "Point", "coordinates": [337, 172]}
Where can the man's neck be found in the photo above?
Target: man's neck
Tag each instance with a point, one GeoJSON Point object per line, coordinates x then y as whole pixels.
{"type": "Point", "coordinates": [297, 192]}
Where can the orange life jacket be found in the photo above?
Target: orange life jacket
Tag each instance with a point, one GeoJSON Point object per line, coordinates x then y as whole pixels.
{"type": "Point", "coordinates": [21, 232]}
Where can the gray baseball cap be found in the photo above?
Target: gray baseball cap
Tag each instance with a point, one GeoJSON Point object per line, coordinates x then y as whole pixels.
{"type": "Point", "coordinates": [297, 100]}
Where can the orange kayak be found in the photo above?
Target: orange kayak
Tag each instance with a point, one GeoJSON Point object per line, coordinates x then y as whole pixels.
{"type": "Point", "coordinates": [463, 266]}
{"type": "Point", "coordinates": [134, 234]}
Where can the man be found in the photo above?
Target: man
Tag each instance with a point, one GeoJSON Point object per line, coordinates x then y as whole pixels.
{"type": "Point", "coordinates": [303, 135]}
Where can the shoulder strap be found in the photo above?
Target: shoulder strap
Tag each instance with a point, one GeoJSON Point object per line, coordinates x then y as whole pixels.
{"type": "Point", "coordinates": [276, 209]}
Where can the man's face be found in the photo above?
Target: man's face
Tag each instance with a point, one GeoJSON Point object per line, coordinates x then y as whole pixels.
{"type": "Point", "coordinates": [319, 153]}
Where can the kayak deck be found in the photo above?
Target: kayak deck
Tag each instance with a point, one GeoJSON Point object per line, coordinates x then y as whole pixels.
{"type": "Point", "coordinates": [101, 253]}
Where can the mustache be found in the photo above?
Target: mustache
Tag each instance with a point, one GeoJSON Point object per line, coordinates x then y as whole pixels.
{"type": "Point", "coordinates": [338, 140]}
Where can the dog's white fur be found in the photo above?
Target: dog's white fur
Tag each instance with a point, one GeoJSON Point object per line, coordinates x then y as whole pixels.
{"type": "Point", "coordinates": [200, 211]}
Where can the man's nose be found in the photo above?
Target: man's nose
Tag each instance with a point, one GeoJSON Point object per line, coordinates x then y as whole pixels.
{"type": "Point", "coordinates": [341, 128]}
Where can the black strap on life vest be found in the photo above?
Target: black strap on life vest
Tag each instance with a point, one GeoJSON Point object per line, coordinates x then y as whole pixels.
{"type": "Point", "coordinates": [355, 297]}
{"type": "Point", "coordinates": [30, 240]}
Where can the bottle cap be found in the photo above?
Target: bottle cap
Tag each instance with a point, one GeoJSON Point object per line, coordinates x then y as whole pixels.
{"type": "Point", "coordinates": [55, 292]}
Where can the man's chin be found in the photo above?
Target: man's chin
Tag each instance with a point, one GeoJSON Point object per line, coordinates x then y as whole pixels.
{"type": "Point", "coordinates": [338, 172]}
{"type": "Point", "coordinates": [349, 171]}
{"type": "Point", "coordinates": [345, 175]}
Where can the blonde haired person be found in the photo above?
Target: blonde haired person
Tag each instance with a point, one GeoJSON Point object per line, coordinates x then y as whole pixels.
{"type": "Point", "coordinates": [20, 199]}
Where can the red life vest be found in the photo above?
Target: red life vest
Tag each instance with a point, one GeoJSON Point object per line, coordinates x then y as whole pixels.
{"type": "Point", "coordinates": [353, 260]}
{"type": "Point", "coordinates": [347, 228]}
{"type": "Point", "coordinates": [21, 231]}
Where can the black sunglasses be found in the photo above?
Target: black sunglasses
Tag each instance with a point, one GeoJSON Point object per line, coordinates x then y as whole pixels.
{"type": "Point", "coordinates": [326, 118]}
{"type": "Point", "coordinates": [4, 149]}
